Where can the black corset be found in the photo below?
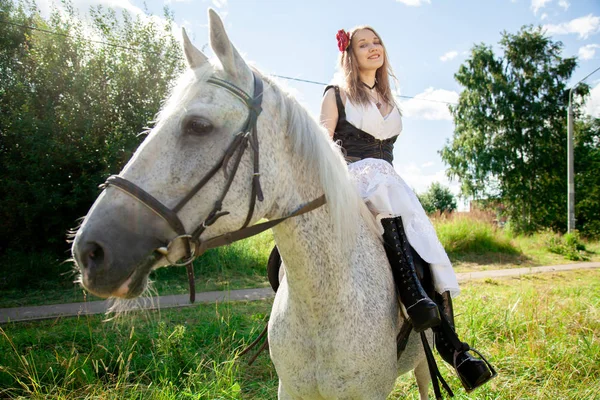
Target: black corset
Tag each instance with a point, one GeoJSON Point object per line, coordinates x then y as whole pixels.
{"type": "Point", "coordinates": [356, 143]}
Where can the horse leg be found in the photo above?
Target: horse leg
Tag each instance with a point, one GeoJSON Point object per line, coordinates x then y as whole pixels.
{"type": "Point", "coordinates": [423, 379]}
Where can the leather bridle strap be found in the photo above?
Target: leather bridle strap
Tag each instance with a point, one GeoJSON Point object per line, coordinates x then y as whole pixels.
{"type": "Point", "coordinates": [148, 200]}
{"type": "Point", "coordinates": [253, 230]}
{"type": "Point", "coordinates": [246, 137]}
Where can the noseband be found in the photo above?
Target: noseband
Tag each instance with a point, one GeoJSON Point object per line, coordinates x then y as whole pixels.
{"type": "Point", "coordinates": [194, 247]}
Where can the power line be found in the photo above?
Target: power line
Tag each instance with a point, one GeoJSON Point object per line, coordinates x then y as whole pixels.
{"type": "Point", "coordinates": [587, 76]}
{"type": "Point", "coordinates": [156, 53]}
{"type": "Point", "coordinates": [73, 37]}
{"type": "Point", "coordinates": [325, 84]}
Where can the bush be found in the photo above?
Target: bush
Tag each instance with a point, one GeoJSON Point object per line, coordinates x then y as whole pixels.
{"type": "Point", "coordinates": [569, 246]}
{"type": "Point", "coordinates": [437, 198]}
{"type": "Point", "coordinates": [71, 112]}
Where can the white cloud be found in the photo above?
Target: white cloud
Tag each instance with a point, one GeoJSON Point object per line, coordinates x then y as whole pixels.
{"type": "Point", "coordinates": [564, 4]}
{"type": "Point", "coordinates": [414, 3]}
{"type": "Point", "coordinates": [83, 6]}
{"type": "Point", "coordinates": [429, 105]}
{"type": "Point", "coordinates": [584, 27]}
{"type": "Point", "coordinates": [592, 105]}
{"type": "Point", "coordinates": [219, 3]}
{"type": "Point", "coordinates": [536, 5]}
{"type": "Point", "coordinates": [427, 164]}
{"type": "Point", "coordinates": [588, 51]}
{"type": "Point", "coordinates": [420, 181]}
{"type": "Point", "coordinates": [449, 56]}
{"type": "Point", "coordinates": [543, 16]}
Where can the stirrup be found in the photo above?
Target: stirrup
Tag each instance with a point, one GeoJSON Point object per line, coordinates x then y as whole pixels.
{"type": "Point", "coordinates": [481, 378]}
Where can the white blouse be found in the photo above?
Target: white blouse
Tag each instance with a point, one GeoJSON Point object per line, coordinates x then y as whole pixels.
{"type": "Point", "coordinates": [369, 119]}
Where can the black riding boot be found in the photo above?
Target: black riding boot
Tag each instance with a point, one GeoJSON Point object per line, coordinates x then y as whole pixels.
{"type": "Point", "coordinates": [473, 372]}
{"type": "Point", "coordinates": [423, 311]}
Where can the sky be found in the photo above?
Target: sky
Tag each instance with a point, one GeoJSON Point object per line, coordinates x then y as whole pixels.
{"type": "Point", "coordinates": [426, 40]}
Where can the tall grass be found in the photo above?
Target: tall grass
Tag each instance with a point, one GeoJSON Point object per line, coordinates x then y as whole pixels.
{"type": "Point", "coordinates": [472, 233]}
{"type": "Point", "coordinates": [541, 332]}
{"type": "Point", "coordinates": [187, 353]}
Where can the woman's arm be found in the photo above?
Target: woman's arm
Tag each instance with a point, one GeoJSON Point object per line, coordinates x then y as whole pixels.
{"type": "Point", "coordinates": [329, 112]}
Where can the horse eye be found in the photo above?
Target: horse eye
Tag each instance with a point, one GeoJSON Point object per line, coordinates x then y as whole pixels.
{"type": "Point", "coordinates": [197, 126]}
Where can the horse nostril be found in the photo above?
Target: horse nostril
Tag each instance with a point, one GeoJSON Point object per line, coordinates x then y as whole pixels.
{"type": "Point", "coordinates": [94, 256]}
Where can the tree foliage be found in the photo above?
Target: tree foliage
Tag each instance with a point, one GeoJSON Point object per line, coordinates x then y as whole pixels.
{"type": "Point", "coordinates": [510, 139]}
{"type": "Point", "coordinates": [437, 198]}
{"type": "Point", "coordinates": [587, 177]}
{"type": "Point", "coordinates": [72, 110]}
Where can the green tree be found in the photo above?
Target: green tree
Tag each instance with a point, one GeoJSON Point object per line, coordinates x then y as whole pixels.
{"type": "Point", "coordinates": [509, 141]}
{"type": "Point", "coordinates": [437, 198]}
{"type": "Point", "coordinates": [587, 177]}
{"type": "Point", "coordinates": [72, 110]}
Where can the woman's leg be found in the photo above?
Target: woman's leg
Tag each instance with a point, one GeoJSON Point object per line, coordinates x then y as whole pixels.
{"type": "Point", "coordinates": [422, 311]}
{"type": "Point", "coordinates": [473, 372]}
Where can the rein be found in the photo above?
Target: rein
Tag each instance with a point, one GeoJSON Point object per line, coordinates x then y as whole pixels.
{"type": "Point", "coordinates": [193, 245]}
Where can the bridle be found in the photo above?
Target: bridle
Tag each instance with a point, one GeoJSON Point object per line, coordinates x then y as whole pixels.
{"type": "Point", "coordinates": [194, 247]}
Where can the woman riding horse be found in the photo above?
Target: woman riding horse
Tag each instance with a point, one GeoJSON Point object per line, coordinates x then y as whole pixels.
{"type": "Point", "coordinates": [362, 117]}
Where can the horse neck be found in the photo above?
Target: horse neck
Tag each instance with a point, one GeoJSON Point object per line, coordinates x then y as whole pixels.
{"type": "Point", "coordinates": [317, 265]}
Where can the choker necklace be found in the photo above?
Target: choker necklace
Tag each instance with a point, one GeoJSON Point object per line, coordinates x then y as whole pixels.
{"type": "Point", "coordinates": [370, 87]}
{"type": "Point", "coordinates": [377, 102]}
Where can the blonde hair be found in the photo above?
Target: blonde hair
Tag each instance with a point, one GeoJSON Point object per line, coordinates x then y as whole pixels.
{"type": "Point", "coordinates": [350, 79]}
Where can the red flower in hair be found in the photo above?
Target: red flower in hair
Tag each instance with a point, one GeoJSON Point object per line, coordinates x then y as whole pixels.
{"type": "Point", "coordinates": [343, 39]}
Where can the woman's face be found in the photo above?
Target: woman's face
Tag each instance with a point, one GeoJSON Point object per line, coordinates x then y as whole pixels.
{"type": "Point", "coordinates": [367, 49]}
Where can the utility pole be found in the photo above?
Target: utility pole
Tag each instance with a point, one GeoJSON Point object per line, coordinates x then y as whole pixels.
{"type": "Point", "coordinates": [570, 167]}
{"type": "Point", "coordinates": [571, 159]}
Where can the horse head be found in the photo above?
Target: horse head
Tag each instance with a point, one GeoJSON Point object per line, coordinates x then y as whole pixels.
{"type": "Point", "coordinates": [190, 174]}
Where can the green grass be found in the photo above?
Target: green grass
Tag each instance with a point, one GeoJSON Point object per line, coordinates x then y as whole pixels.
{"type": "Point", "coordinates": [541, 332]}
{"type": "Point", "coordinates": [466, 235]}
{"type": "Point", "coordinates": [473, 243]}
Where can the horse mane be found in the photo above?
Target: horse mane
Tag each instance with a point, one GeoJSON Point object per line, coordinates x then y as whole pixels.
{"type": "Point", "coordinates": [312, 143]}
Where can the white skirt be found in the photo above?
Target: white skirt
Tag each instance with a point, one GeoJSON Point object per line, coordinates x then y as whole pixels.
{"type": "Point", "coordinates": [387, 195]}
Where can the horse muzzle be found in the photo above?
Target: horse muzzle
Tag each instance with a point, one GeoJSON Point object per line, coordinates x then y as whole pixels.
{"type": "Point", "coordinates": [114, 261]}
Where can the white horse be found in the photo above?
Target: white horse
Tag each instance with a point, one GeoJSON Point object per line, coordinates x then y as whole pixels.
{"type": "Point", "coordinates": [333, 326]}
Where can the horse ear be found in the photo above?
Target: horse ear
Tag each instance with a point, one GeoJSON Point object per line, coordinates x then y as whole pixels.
{"type": "Point", "coordinates": [231, 60]}
{"type": "Point", "coordinates": [195, 58]}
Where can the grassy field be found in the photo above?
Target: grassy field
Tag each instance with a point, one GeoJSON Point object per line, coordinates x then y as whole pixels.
{"type": "Point", "coordinates": [542, 333]}
{"type": "Point", "coordinates": [472, 242]}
